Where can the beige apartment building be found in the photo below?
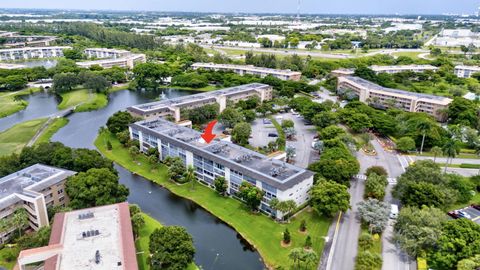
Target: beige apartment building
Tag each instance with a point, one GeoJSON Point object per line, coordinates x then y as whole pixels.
{"type": "Point", "coordinates": [109, 58]}
{"type": "Point", "coordinates": [34, 188]}
{"type": "Point", "coordinates": [93, 238]}
{"type": "Point", "coordinates": [379, 96]}
{"type": "Point", "coordinates": [466, 71]}
{"type": "Point", "coordinates": [173, 107]}
{"type": "Point", "coordinates": [285, 74]}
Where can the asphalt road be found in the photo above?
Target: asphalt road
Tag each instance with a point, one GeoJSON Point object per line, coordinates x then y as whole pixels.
{"type": "Point", "coordinates": [303, 140]}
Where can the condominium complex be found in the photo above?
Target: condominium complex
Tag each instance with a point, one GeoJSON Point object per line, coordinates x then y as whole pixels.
{"type": "Point", "coordinates": [15, 40]}
{"type": "Point", "coordinates": [252, 70]}
{"type": "Point", "coordinates": [224, 159]}
{"type": "Point", "coordinates": [31, 53]}
{"type": "Point", "coordinates": [466, 71]}
{"type": "Point", "coordinates": [93, 238]}
{"type": "Point", "coordinates": [387, 69]}
{"type": "Point", "coordinates": [173, 107]}
{"type": "Point", "coordinates": [112, 58]}
{"type": "Point", "coordinates": [34, 188]}
{"type": "Point", "coordinates": [379, 96]}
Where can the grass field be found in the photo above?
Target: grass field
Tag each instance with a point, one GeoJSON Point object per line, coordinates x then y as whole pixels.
{"type": "Point", "coordinates": [143, 240]}
{"type": "Point", "coordinates": [10, 102]}
{"type": "Point", "coordinates": [377, 244]}
{"type": "Point", "coordinates": [56, 125]}
{"type": "Point", "coordinates": [8, 257]}
{"type": "Point", "coordinates": [15, 138]}
{"type": "Point", "coordinates": [89, 101]}
{"type": "Point", "coordinates": [259, 230]}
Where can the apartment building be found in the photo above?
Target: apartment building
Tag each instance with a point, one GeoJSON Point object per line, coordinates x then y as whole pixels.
{"type": "Point", "coordinates": [173, 107]}
{"type": "Point", "coordinates": [222, 158]}
{"type": "Point", "coordinates": [103, 53]}
{"type": "Point", "coordinates": [93, 238]}
{"type": "Point", "coordinates": [382, 97]}
{"type": "Point", "coordinates": [387, 69]}
{"type": "Point", "coordinates": [31, 53]}
{"type": "Point", "coordinates": [251, 70]}
{"type": "Point", "coordinates": [34, 188]}
{"type": "Point", "coordinates": [129, 61]}
{"type": "Point", "coordinates": [15, 41]}
{"type": "Point", "coordinates": [466, 71]}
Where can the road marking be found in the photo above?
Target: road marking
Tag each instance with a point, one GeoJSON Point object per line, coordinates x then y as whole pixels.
{"type": "Point", "coordinates": [474, 219]}
{"type": "Point", "coordinates": [334, 242]}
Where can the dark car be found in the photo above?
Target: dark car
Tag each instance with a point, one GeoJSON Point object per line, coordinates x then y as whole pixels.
{"type": "Point", "coordinates": [476, 206]}
{"type": "Point", "coordinates": [272, 135]}
{"type": "Point", "coordinates": [453, 214]}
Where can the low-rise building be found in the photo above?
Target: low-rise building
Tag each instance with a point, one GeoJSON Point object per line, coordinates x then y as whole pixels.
{"type": "Point", "coordinates": [129, 61]}
{"type": "Point", "coordinates": [383, 97]}
{"type": "Point", "coordinates": [103, 53]}
{"type": "Point", "coordinates": [93, 238]}
{"type": "Point", "coordinates": [387, 69]}
{"type": "Point", "coordinates": [32, 53]}
{"type": "Point", "coordinates": [466, 71]}
{"type": "Point", "coordinates": [221, 158]}
{"type": "Point", "coordinates": [34, 188]}
{"type": "Point", "coordinates": [173, 107]}
{"type": "Point", "coordinates": [11, 66]}
{"type": "Point", "coordinates": [251, 70]}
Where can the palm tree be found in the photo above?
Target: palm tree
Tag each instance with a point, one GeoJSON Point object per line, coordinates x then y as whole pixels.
{"type": "Point", "coordinates": [190, 177]}
{"type": "Point", "coordinates": [424, 127]}
{"type": "Point", "coordinates": [20, 219]}
{"type": "Point", "coordinates": [450, 150]}
{"type": "Point", "coordinates": [436, 151]}
{"type": "Point", "coordinates": [296, 256]}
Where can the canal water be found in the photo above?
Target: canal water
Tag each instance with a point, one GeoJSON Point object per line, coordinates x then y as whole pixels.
{"type": "Point", "coordinates": [217, 245]}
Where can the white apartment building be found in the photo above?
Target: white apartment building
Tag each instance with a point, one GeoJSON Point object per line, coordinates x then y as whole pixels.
{"type": "Point", "coordinates": [466, 71]}
{"type": "Point", "coordinates": [31, 53]}
{"type": "Point", "coordinates": [383, 97]}
{"type": "Point", "coordinates": [251, 70]}
{"type": "Point", "coordinates": [34, 188]}
{"type": "Point", "coordinates": [224, 159]}
{"type": "Point", "coordinates": [387, 69]}
{"type": "Point", "coordinates": [103, 53]}
{"type": "Point", "coordinates": [173, 107]}
{"type": "Point", "coordinates": [129, 61]}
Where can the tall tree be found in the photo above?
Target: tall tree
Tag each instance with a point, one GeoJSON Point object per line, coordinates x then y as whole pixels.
{"type": "Point", "coordinates": [450, 150]}
{"type": "Point", "coordinates": [328, 198]}
{"type": "Point", "coordinates": [171, 248]}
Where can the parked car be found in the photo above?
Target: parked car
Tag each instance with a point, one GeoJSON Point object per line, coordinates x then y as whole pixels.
{"type": "Point", "coordinates": [275, 135]}
{"type": "Point", "coordinates": [266, 121]}
{"type": "Point", "coordinates": [463, 214]}
{"type": "Point", "coordinates": [394, 211]}
{"type": "Point", "coordinates": [476, 206]}
{"type": "Point", "coordinates": [453, 214]}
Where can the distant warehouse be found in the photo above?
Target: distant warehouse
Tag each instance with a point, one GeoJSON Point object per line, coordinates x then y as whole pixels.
{"type": "Point", "coordinates": [466, 71]}
{"type": "Point", "coordinates": [251, 70]}
{"type": "Point", "coordinates": [173, 107]}
{"type": "Point", "coordinates": [387, 69]}
{"type": "Point", "coordinates": [383, 97]}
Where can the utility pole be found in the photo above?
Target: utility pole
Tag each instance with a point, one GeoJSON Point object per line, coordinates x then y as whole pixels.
{"type": "Point", "coordinates": [298, 11]}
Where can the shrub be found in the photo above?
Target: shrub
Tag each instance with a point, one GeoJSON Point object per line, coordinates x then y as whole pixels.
{"type": "Point", "coordinates": [379, 170]}
{"type": "Point", "coordinates": [286, 237]}
{"type": "Point", "coordinates": [367, 260]}
{"type": "Point", "coordinates": [365, 241]}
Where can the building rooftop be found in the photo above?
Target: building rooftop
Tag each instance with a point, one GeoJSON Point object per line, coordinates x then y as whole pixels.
{"type": "Point", "coordinates": [274, 172]}
{"type": "Point", "coordinates": [377, 87]}
{"type": "Point", "coordinates": [93, 238]}
{"type": "Point", "coordinates": [35, 48]}
{"type": "Point", "coordinates": [248, 67]}
{"type": "Point", "coordinates": [34, 178]}
{"type": "Point", "coordinates": [107, 50]}
{"type": "Point", "coordinates": [159, 105]}
{"type": "Point", "coordinates": [467, 67]}
{"type": "Point", "coordinates": [400, 67]}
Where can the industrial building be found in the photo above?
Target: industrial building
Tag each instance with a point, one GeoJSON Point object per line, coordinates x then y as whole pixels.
{"type": "Point", "coordinates": [383, 97]}
{"type": "Point", "coordinates": [93, 238]}
{"type": "Point", "coordinates": [251, 70]}
{"type": "Point", "coordinates": [34, 188]}
{"type": "Point", "coordinates": [387, 69]}
{"type": "Point", "coordinates": [31, 53]}
{"type": "Point", "coordinates": [173, 107]}
{"type": "Point", "coordinates": [465, 71]}
{"type": "Point", "coordinates": [221, 158]}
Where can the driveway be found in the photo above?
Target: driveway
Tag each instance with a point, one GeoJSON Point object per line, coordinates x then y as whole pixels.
{"type": "Point", "coordinates": [260, 133]}
{"type": "Point", "coordinates": [302, 141]}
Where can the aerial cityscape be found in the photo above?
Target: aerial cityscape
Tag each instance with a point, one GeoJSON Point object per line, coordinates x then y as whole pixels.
{"type": "Point", "coordinates": [239, 135]}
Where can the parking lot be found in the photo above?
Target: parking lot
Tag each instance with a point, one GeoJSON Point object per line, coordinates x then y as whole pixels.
{"type": "Point", "coordinates": [470, 212]}
{"type": "Point", "coordinates": [260, 129]}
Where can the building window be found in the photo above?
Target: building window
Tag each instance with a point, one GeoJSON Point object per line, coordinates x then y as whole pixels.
{"type": "Point", "coordinates": [61, 199]}
{"type": "Point", "coordinates": [60, 191]}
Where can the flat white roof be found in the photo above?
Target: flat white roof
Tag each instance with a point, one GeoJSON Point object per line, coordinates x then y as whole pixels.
{"type": "Point", "coordinates": [248, 67]}
{"type": "Point", "coordinates": [79, 249]}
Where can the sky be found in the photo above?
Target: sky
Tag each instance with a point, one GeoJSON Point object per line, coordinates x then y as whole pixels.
{"type": "Point", "coordinates": [262, 6]}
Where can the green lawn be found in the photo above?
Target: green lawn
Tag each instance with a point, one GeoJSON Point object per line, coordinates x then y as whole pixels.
{"type": "Point", "coordinates": [55, 126]}
{"type": "Point", "coordinates": [413, 55]}
{"type": "Point", "coordinates": [10, 102]}
{"type": "Point", "coordinates": [89, 101]}
{"type": "Point", "coordinates": [15, 138]}
{"type": "Point", "coordinates": [259, 230]}
{"type": "Point", "coordinates": [377, 244]}
{"type": "Point", "coordinates": [142, 241]}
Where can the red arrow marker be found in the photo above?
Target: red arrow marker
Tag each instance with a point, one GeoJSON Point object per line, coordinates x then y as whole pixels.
{"type": "Point", "coordinates": [207, 135]}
